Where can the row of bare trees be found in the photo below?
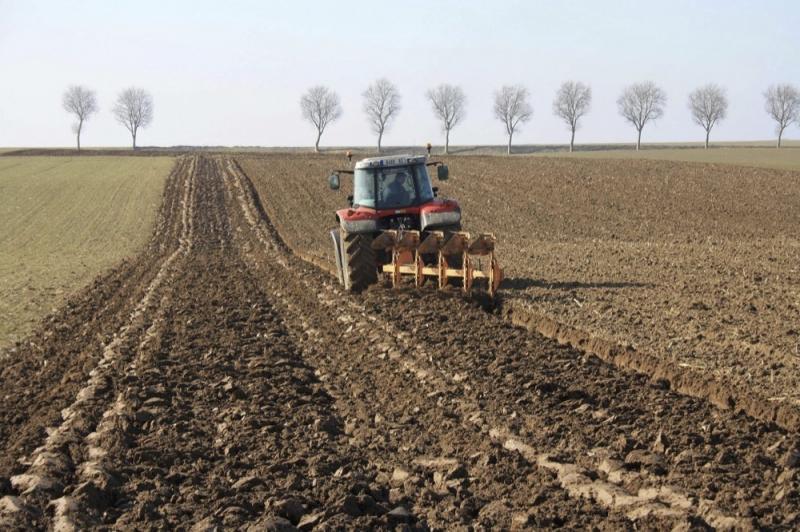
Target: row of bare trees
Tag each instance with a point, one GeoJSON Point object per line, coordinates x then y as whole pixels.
{"type": "Point", "coordinates": [639, 104]}
{"type": "Point", "coordinates": [133, 109]}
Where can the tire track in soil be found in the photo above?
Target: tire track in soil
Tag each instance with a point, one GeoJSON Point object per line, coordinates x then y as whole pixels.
{"type": "Point", "coordinates": [55, 465]}
{"type": "Point", "coordinates": [606, 434]}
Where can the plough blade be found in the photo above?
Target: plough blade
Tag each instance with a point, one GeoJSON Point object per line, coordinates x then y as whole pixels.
{"type": "Point", "coordinates": [483, 245]}
{"type": "Point", "coordinates": [457, 244]}
{"type": "Point", "coordinates": [432, 243]}
{"type": "Point", "coordinates": [394, 239]}
{"type": "Point", "coordinates": [440, 257]}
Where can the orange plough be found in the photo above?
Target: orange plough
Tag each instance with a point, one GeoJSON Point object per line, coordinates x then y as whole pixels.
{"type": "Point", "coordinates": [441, 256]}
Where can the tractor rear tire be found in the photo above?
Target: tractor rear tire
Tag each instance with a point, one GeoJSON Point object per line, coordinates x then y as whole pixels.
{"type": "Point", "coordinates": [359, 268]}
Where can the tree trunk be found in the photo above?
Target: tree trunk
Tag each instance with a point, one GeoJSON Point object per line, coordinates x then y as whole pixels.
{"type": "Point", "coordinates": [510, 136]}
{"type": "Point", "coordinates": [639, 140]}
{"type": "Point", "coordinates": [79, 137]}
{"type": "Point", "coordinates": [134, 140]}
{"type": "Point", "coordinates": [572, 141]}
{"type": "Point", "coordinates": [380, 137]}
{"type": "Point", "coordinates": [316, 144]}
{"type": "Point", "coordinates": [708, 132]}
{"type": "Point", "coordinates": [447, 142]}
{"type": "Point", "coordinates": [780, 134]}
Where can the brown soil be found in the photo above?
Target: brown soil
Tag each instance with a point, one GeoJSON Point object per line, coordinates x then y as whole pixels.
{"type": "Point", "coordinates": [692, 267]}
{"type": "Point", "coordinates": [220, 381]}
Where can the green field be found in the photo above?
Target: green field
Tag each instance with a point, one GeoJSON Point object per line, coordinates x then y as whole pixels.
{"type": "Point", "coordinates": [787, 158]}
{"type": "Point", "coordinates": [63, 220]}
{"type": "Point", "coordinates": [761, 154]}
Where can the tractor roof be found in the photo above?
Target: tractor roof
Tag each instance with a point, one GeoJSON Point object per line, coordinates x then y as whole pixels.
{"type": "Point", "coordinates": [393, 160]}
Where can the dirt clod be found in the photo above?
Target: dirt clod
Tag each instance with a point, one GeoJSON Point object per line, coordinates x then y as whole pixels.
{"type": "Point", "coordinates": [292, 509]}
{"type": "Point", "coordinates": [792, 458]}
{"type": "Point", "coordinates": [275, 524]}
{"type": "Point", "coordinates": [400, 514]}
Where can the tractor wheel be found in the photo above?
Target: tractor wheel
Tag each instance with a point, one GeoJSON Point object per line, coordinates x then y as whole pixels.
{"type": "Point", "coordinates": [358, 257]}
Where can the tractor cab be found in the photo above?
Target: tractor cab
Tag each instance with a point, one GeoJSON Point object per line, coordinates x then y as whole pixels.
{"type": "Point", "coordinates": [392, 184]}
{"type": "Point", "coordinates": [395, 193]}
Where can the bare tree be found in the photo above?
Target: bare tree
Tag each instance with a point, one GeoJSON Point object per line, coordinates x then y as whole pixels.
{"type": "Point", "coordinates": [708, 105]}
{"type": "Point", "coordinates": [448, 104]}
{"type": "Point", "coordinates": [320, 106]}
{"type": "Point", "coordinates": [134, 110]}
{"type": "Point", "coordinates": [381, 104]}
{"type": "Point", "coordinates": [573, 100]}
{"type": "Point", "coordinates": [782, 103]}
{"type": "Point", "coordinates": [511, 107]}
{"type": "Point", "coordinates": [81, 102]}
{"type": "Point", "coordinates": [639, 104]}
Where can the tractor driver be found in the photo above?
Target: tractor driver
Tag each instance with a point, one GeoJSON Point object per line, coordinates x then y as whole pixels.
{"type": "Point", "coordinates": [397, 193]}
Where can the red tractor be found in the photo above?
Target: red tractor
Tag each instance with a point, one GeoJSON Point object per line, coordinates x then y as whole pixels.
{"type": "Point", "coordinates": [396, 225]}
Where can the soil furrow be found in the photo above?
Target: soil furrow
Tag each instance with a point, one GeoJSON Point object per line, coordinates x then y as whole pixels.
{"type": "Point", "coordinates": [52, 467]}
{"type": "Point", "coordinates": [683, 379]}
{"type": "Point", "coordinates": [93, 481]}
{"type": "Point", "coordinates": [41, 376]}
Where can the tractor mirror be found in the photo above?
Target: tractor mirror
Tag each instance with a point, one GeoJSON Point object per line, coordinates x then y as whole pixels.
{"type": "Point", "coordinates": [333, 181]}
{"type": "Point", "coordinates": [442, 172]}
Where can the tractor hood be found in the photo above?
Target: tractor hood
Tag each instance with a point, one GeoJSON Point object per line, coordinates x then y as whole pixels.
{"type": "Point", "coordinates": [438, 213]}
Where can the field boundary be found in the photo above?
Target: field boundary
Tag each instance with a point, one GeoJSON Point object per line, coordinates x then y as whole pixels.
{"type": "Point", "coordinates": [627, 357]}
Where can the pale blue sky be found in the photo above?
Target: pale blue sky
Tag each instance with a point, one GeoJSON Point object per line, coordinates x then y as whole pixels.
{"type": "Point", "coordinates": [231, 73]}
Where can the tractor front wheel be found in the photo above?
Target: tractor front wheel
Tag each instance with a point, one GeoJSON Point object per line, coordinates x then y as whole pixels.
{"type": "Point", "coordinates": [359, 269]}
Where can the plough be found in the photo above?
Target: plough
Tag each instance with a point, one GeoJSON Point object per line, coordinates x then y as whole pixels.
{"type": "Point", "coordinates": [440, 258]}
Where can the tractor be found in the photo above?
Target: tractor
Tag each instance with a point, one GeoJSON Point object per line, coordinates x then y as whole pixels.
{"type": "Point", "coordinates": [397, 226]}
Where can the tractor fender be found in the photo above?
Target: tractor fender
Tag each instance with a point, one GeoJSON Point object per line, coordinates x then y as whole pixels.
{"type": "Point", "coordinates": [337, 250]}
{"type": "Point", "coordinates": [355, 221]}
{"type": "Point", "coordinates": [440, 216]}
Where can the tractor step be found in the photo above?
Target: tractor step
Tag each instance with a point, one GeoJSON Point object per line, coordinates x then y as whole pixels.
{"type": "Point", "coordinates": [408, 258]}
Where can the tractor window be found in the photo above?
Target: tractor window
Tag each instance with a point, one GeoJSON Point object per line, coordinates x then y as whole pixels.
{"type": "Point", "coordinates": [396, 187]}
{"type": "Point", "coordinates": [423, 183]}
{"type": "Point", "coordinates": [364, 188]}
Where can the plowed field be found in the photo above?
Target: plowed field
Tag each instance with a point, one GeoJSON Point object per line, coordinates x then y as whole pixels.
{"type": "Point", "coordinates": [220, 381]}
{"type": "Point", "coordinates": [687, 272]}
